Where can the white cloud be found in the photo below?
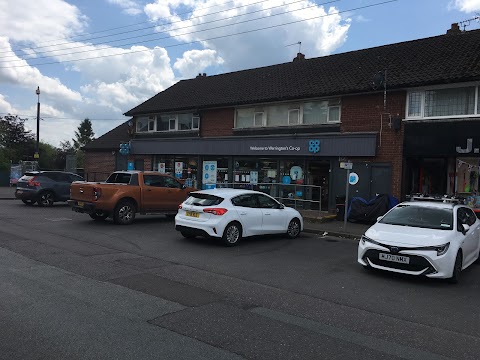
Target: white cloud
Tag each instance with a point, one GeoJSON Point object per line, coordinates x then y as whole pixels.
{"type": "Point", "coordinates": [194, 61]}
{"type": "Point", "coordinates": [129, 7]}
{"type": "Point", "coordinates": [321, 32]}
{"type": "Point", "coordinates": [467, 6]}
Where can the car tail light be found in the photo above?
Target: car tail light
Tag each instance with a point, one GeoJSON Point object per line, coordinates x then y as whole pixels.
{"type": "Point", "coordinates": [180, 206]}
{"type": "Point", "coordinates": [32, 182]}
{"type": "Point", "coordinates": [215, 211]}
{"type": "Point", "coordinates": [97, 192]}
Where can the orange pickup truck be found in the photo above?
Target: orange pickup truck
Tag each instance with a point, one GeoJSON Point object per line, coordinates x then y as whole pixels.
{"type": "Point", "coordinates": [126, 193]}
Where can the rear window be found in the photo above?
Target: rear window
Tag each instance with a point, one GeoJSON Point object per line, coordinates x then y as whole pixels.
{"type": "Point", "coordinates": [119, 178]}
{"type": "Point", "coordinates": [200, 199]}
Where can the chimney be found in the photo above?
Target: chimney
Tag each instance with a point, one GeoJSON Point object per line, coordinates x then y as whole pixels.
{"type": "Point", "coordinates": [204, 75]}
{"type": "Point", "coordinates": [299, 56]}
{"type": "Point", "coordinates": [455, 29]}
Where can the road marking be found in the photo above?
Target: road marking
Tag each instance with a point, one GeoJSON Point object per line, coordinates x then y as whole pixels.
{"type": "Point", "coordinates": [58, 219]}
{"type": "Point", "coordinates": [371, 342]}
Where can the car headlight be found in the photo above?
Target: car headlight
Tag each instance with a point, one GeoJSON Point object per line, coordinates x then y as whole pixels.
{"type": "Point", "coordinates": [367, 239]}
{"type": "Point", "coordinates": [442, 249]}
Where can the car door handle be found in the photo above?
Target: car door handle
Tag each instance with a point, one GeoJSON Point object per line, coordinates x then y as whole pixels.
{"type": "Point", "coordinates": [243, 213]}
{"type": "Point", "coordinates": [267, 214]}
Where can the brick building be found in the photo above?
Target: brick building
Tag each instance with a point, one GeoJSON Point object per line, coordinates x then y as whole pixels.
{"type": "Point", "coordinates": [294, 123]}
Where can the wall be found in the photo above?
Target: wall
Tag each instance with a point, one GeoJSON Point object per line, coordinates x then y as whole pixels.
{"type": "Point", "coordinates": [218, 122]}
{"type": "Point", "coordinates": [364, 113]}
{"type": "Point", "coordinates": [98, 165]}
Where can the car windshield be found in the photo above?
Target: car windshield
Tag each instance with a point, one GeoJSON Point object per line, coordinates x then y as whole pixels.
{"type": "Point", "coordinates": [420, 216]}
{"type": "Point", "coordinates": [200, 199]}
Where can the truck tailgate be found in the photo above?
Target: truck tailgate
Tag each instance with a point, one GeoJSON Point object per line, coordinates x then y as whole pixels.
{"type": "Point", "coordinates": [82, 191]}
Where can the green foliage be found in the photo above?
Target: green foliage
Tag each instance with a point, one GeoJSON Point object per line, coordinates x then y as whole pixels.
{"type": "Point", "coordinates": [16, 143]}
{"type": "Point", "coordinates": [84, 135]}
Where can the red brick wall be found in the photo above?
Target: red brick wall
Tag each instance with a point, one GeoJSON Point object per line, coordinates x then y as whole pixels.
{"type": "Point", "coordinates": [364, 113]}
{"type": "Point", "coordinates": [98, 165]}
{"type": "Point", "coordinates": [217, 122]}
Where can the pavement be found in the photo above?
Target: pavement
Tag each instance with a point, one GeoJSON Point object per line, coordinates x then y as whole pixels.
{"type": "Point", "coordinates": [316, 222]}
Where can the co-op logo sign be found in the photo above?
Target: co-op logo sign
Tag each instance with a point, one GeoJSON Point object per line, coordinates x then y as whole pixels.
{"type": "Point", "coordinates": [314, 146]}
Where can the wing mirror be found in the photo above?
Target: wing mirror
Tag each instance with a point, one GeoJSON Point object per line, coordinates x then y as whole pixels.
{"type": "Point", "coordinates": [184, 186]}
{"type": "Point", "coordinates": [281, 206]}
{"type": "Point", "coordinates": [465, 228]}
{"type": "Point", "coordinates": [379, 218]}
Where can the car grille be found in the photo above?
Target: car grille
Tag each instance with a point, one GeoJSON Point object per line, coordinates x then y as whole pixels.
{"type": "Point", "coordinates": [417, 263]}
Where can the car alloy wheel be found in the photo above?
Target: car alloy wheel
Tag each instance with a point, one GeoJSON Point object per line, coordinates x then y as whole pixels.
{"type": "Point", "coordinates": [232, 234]}
{"type": "Point", "coordinates": [46, 199]}
{"type": "Point", "coordinates": [124, 213]}
{"type": "Point", "coordinates": [293, 229]}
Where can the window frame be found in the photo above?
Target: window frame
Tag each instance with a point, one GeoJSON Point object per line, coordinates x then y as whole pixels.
{"type": "Point", "coordinates": [299, 117]}
{"type": "Point", "coordinates": [423, 90]}
{"type": "Point", "coordinates": [262, 113]}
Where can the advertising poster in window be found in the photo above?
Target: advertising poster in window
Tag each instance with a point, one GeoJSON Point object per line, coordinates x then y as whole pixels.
{"type": "Point", "coordinates": [254, 177]}
{"type": "Point", "coordinates": [161, 167]}
{"type": "Point", "coordinates": [209, 174]}
{"type": "Point", "coordinates": [178, 169]}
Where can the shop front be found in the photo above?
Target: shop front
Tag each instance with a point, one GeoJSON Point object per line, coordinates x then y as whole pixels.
{"type": "Point", "coordinates": [442, 158]}
{"type": "Point", "coordinates": [291, 168]}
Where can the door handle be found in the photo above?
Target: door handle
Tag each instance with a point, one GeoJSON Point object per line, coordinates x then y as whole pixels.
{"type": "Point", "coordinates": [243, 213]}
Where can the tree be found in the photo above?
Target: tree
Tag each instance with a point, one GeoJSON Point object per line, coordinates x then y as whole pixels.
{"type": "Point", "coordinates": [16, 143]}
{"type": "Point", "coordinates": [83, 136]}
{"type": "Point", "coordinates": [66, 148]}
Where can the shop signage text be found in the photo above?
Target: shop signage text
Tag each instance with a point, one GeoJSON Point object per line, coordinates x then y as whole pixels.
{"type": "Point", "coordinates": [275, 148]}
{"type": "Point", "coordinates": [468, 148]}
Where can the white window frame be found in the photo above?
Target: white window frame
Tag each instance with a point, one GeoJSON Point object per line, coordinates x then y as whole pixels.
{"type": "Point", "coordinates": [423, 90]}
{"type": "Point", "coordinates": [174, 119]}
{"type": "Point", "coordinates": [151, 121]}
{"type": "Point", "coordinates": [339, 114]}
{"type": "Point", "coordinates": [262, 113]}
{"type": "Point", "coordinates": [299, 118]}
{"type": "Point", "coordinates": [198, 122]}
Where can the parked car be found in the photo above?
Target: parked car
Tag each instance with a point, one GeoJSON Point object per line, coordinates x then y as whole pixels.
{"type": "Point", "coordinates": [126, 193]}
{"type": "Point", "coordinates": [434, 239]}
{"type": "Point", "coordinates": [231, 214]}
{"type": "Point", "coordinates": [45, 187]}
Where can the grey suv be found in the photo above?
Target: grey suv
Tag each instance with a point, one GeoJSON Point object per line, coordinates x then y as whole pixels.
{"type": "Point", "coordinates": [45, 187]}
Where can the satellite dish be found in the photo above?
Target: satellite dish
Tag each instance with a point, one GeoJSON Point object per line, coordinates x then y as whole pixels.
{"type": "Point", "coordinates": [378, 80]}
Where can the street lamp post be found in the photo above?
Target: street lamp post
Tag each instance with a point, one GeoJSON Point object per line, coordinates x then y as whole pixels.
{"type": "Point", "coordinates": [37, 154]}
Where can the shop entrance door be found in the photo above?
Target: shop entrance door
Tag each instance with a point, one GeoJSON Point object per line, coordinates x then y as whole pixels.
{"type": "Point", "coordinates": [317, 180]}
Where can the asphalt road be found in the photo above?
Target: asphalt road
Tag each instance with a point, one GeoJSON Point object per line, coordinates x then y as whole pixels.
{"type": "Point", "coordinates": [73, 288]}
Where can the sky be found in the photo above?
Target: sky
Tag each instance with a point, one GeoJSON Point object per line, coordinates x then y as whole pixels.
{"type": "Point", "coordinates": [97, 59]}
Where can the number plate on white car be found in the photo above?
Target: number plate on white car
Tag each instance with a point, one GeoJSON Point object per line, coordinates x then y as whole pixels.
{"type": "Point", "coordinates": [192, 214]}
{"type": "Point", "coordinates": [394, 258]}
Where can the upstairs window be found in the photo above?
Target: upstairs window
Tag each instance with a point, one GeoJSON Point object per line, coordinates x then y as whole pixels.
{"type": "Point", "coordinates": [447, 102]}
{"type": "Point", "coordinates": [178, 122]}
{"type": "Point", "coordinates": [293, 114]}
{"type": "Point", "coordinates": [145, 124]}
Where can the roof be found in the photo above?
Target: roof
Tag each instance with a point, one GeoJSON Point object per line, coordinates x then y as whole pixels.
{"type": "Point", "coordinates": [110, 140]}
{"type": "Point", "coordinates": [450, 58]}
{"type": "Point", "coordinates": [430, 204]}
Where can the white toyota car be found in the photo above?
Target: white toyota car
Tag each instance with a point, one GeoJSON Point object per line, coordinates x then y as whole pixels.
{"type": "Point", "coordinates": [431, 238]}
{"type": "Point", "coordinates": [231, 214]}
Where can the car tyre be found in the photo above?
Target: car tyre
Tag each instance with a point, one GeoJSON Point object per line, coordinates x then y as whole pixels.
{"type": "Point", "coordinates": [232, 234]}
{"type": "Point", "coordinates": [28, 202]}
{"type": "Point", "coordinates": [124, 213]}
{"type": "Point", "coordinates": [294, 228]}
{"type": "Point", "coordinates": [457, 269]}
{"type": "Point", "coordinates": [187, 235]}
{"type": "Point", "coordinates": [99, 215]}
{"type": "Point", "coordinates": [46, 199]}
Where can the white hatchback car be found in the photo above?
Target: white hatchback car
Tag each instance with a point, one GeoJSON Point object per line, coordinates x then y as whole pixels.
{"type": "Point", "coordinates": [231, 214]}
{"type": "Point", "coordinates": [435, 239]}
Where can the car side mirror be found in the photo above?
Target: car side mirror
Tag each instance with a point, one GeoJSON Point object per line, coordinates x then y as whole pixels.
{"type": "Point", "coordinates": [281, 206]}
{"type": "Point", "coordinates": [465, 228]}
{"type": "Point", "coordinates": [184, 186]}
{"type": "Point", "coordinates": [379, 218]}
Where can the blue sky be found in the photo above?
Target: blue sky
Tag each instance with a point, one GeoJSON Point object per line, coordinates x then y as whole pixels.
{"type": "Point", "coordinates": [100, 58]}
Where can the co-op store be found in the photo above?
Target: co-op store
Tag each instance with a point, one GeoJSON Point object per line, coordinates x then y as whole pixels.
{"type": "Point", "coordinates": [260, 161]}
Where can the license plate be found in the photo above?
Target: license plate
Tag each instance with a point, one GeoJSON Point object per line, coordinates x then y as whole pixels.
{"type": "Point", "coordinates": [80, 203]}
{"type": "Point", "coordinates": [394, 258]}
{"type": "Point", "coordinates": [192, 214]}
